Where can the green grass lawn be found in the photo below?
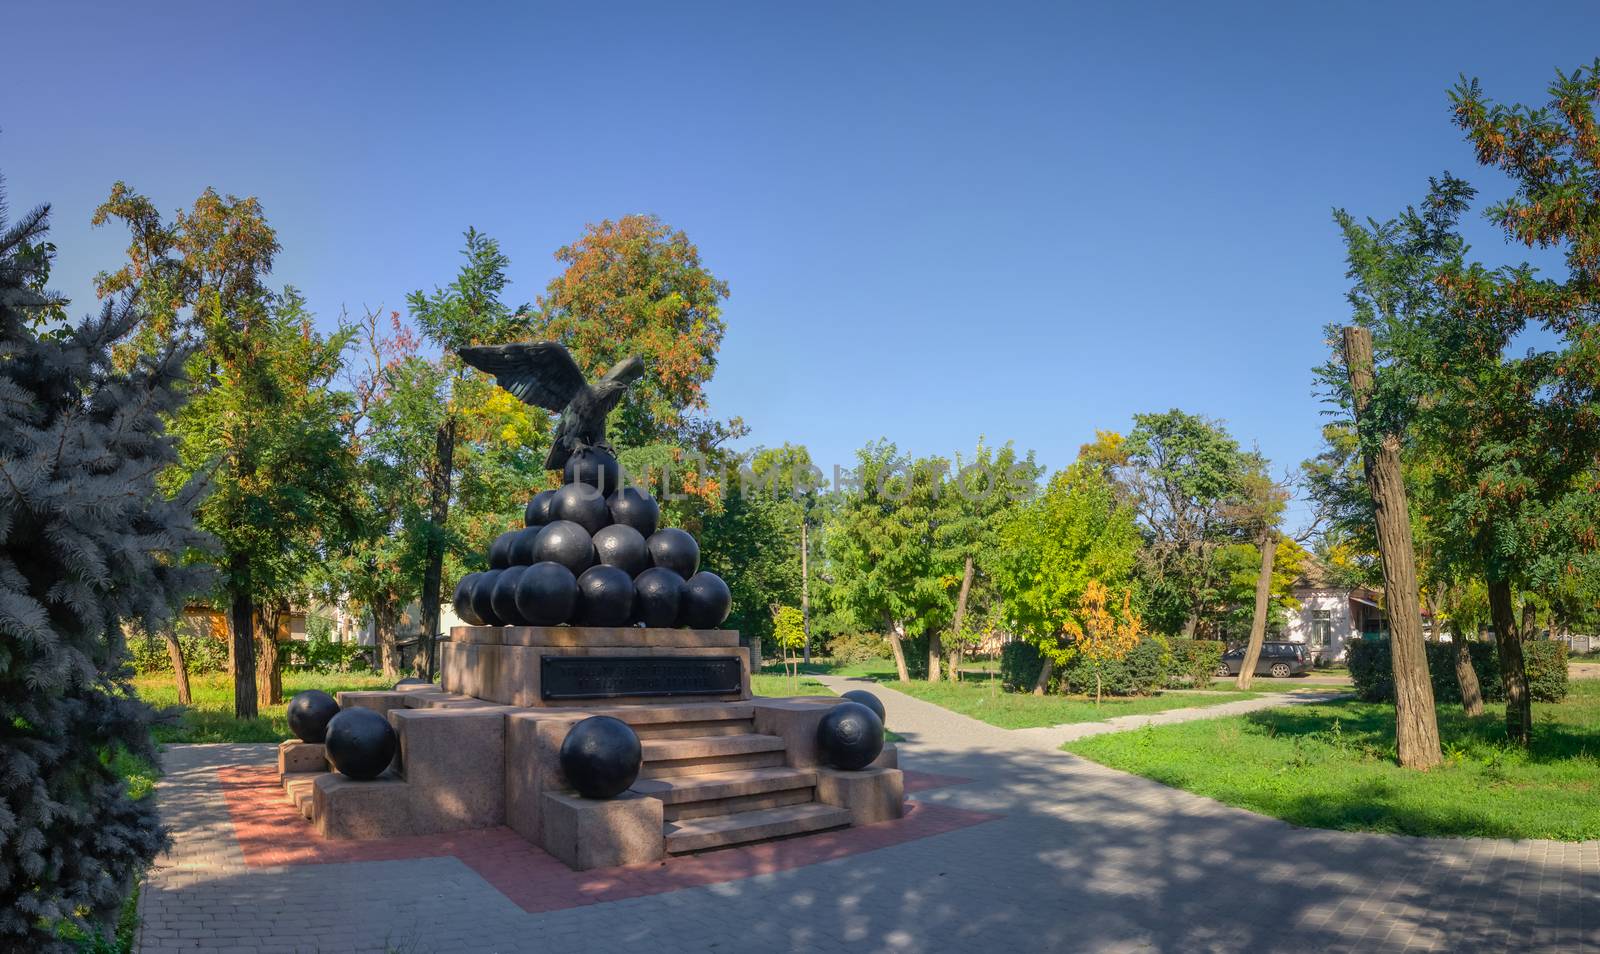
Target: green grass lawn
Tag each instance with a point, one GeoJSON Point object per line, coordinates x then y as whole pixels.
{"type": "Point", "coordinates": [984, 700]}
{"type": "Point", "coordinates": [769, 682]}
{"type": "Point", "coordinates": [211, 719]}
{"type": "Point", "coordinates": [1332, 766]}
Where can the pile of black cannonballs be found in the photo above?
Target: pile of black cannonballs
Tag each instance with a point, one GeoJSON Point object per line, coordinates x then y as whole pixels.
{"type": "Point", "coordinates": [593, 558]}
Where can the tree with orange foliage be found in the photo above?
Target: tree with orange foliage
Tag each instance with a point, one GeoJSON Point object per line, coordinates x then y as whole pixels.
{"type": "Point", "coordinates": [1103, 631]}
{"type": "Point", "coordinates": [636, 286]}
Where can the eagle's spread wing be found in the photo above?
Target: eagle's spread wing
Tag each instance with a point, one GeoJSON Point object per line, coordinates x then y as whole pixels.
{"type": "Point", "coordinates": [540, 373]}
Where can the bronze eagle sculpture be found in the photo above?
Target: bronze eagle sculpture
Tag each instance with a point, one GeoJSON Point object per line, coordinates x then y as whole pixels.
{"type": "Point", "coordinates": [542, 373]}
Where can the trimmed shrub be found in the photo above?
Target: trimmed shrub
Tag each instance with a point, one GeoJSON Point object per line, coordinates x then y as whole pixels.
{"type": "Point", "coordinates": [201, 654]}
{"type": "Point", "coordinates": [1545, 661]}
{"type": "Point", "coordinates": [1143, 671]}
{"type": "Point", "coordinates": [1020, 663]}
{"type": "Point", "coordinates": [1370, 669]}
{"type": "Point", "coordinates": [858, 647]}
{"type": "Point", "coordinates": [1194, 661]}
{"type": "Point", "coordinates": [322, 655]}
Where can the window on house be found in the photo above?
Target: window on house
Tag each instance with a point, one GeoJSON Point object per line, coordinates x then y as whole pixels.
{"type": "Point", "coordinates": [1321, 628]}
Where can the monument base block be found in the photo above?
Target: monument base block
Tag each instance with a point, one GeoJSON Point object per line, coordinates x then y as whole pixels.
{"type": "Point", "coordinates": [601, 833]}
{"type": "Point", "coordinates": [718, 767]}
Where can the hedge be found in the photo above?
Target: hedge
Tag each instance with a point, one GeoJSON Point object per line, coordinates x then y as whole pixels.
{"type": "Point", "coordinates": [1194, 661]}
{"type": "Point", "coordinates": [858, 647]}
{"type": "Point", "coordinates": [1545, 661]}
{"type": "Point", "coordinates": [1144, 670]}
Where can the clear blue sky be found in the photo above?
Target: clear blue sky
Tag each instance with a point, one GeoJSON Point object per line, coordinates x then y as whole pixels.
{"type": "Point", "coordinates": [939, 221]}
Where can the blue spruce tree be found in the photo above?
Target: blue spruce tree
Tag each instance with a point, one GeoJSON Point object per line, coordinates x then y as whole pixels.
{"type": "Point", "coordinates": [89, 547]}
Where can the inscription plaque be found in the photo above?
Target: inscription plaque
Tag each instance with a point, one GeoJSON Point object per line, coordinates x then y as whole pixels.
{"type": "Point", "coordinates": [607, 677]}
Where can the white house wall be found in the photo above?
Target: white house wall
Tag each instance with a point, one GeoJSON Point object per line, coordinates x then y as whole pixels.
{"type": "Point", "coordinates": [1342, 628]}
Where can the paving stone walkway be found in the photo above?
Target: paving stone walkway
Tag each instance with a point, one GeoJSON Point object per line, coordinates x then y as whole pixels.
{"type": "Point", "coordinates": [1075, 857]}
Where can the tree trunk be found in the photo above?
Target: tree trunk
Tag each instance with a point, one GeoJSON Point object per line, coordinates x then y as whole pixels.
{"type": "Point", "coordinates": [1513, 671]}
{"type": "Point", "coordinates": [1258, 622]}
{"type": "Point", "coordinates": [805, 585]}
{"type": "Point", "coordinates": [1041, 684]}
{"type": "Point", "coordinates": [957, 639]}
{"type": "Point", "coordinates": [1466, 676]}
{"type": "Point", "coordinates": [1190, 625]}
{"type": "Point", "coordinates": [269, 663]}
{"type": "Point", "coordinates": [935, 654]}
{"type": "Point", "coordinates": [243, 647]}
{"type": "Point", "coordinates": [269, 678]}
{"type": "Point", "coordinates": [180, 666]}
{"type": "Point", "coordinates": [384, 622]}
{"type": "Point", "coordinates": [438, 514]}
{"type": "Point", "coordinates": [899, 651]}
{"type": "Point", "coordinates": [1416, 724]}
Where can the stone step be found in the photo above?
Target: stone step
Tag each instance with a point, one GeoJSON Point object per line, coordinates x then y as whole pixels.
{"type": "Point", "coordinates": [668, 750]}
{"type": "Point", "coordinates": [713, 763]}
{"type": "Point", "coordinates": [739, 803]}
{"type": "Point", "coordinates": [702, 755]}
{"type": "Point", "coordinates": [296, 782]}
{"type": "Point", "coordinates": [638, 716]}
{"type": "Point", "coordinates": [721, 831]}
{"type": "Point", "coordinates": [690, 730]}
{"type": "Point", "coordinates": [724, 793]}
{"type": "Point", "coordinates": [700, 788]}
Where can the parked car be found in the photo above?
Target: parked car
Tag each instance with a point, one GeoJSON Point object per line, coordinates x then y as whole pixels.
{"type": "Point", "coordinates": [1280, 660]}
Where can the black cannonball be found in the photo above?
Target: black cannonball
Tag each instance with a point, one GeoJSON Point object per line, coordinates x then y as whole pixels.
{"type": "Point", "coordinates": [657, 597]}
{"type": "Point", "coordinates": [500, 550]}
{"type": "Point", "coordinates": [595, 467]}
{"type": "Point", "coordinates": [537, 513]}
{"type": "Point", "coordinates": [675, 550]}
{"type": "Point", "coordinates": [706, 601]}
{"type": "Point", "coordinates": [522, 546]}
{"type": "Point", "coordinates": [566, 543]}
{"type": "Point", "coordinates": [623, 547]}
{"type": "Point", "coordinates": [605, 597]}
{"type": "Point", "coordinates": [547, 594]}
{"type": "Point", "coordinates": [601, 757]}
{"type": "Point", "coordinates": [361, 743]}
{"type": "Point", "coordinates": [482, 596]}
{"type": "Point", "coordinates": [583, 505]}
{"type": "Point", "coordinates": [633, 507]}
{"type": "Point", "coordinates": [309, 713]}
{"type": "Point", "coordinates": [867, 699]}
{"type": "Point", "coordinates": [412, 681]}
{"type": "Point", "coordinates": [503, 598]}
{"type": "Point", "coordinates": [463, 601]}
{"type": "Point", "coordinates": [849, 737]}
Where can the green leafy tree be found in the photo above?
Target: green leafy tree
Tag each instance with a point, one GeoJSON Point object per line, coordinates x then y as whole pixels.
{"type": "Point", "coordinates": [264, 419]}
{"type": "Point", "coordinates": [88, 546]}
{"type": "Point", "coordinates": [391, 436]}
{"type": "Point", "coordinates": [1081, 530]}
{"type": "Point", "coordinates": [1529, 426]}
{"type": "Point", "coordinates": [789, 633]}
{"type": "Point", "coordinates": [979, 496]}
{"type": "Point", "coordinates": [1185, 475]}
{"type": "Point", "coordinates": [467, 408]}
{"type": "Point", "coordinates": [881, 549]}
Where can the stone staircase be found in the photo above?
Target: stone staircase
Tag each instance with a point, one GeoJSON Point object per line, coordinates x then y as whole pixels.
{"type": "Point", "coordinates": [720, 782]}
{"type": "Point", "coordinates": [297, 790]}
{"type": "Point", "coordinates": [714, 775]}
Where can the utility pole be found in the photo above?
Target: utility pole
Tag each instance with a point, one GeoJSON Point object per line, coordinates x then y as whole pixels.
{"type": "Point", "coordinates": [805, 584]}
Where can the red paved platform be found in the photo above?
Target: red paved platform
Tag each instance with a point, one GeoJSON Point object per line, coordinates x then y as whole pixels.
{"type": "Point", "coordinates": [270, 833]}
